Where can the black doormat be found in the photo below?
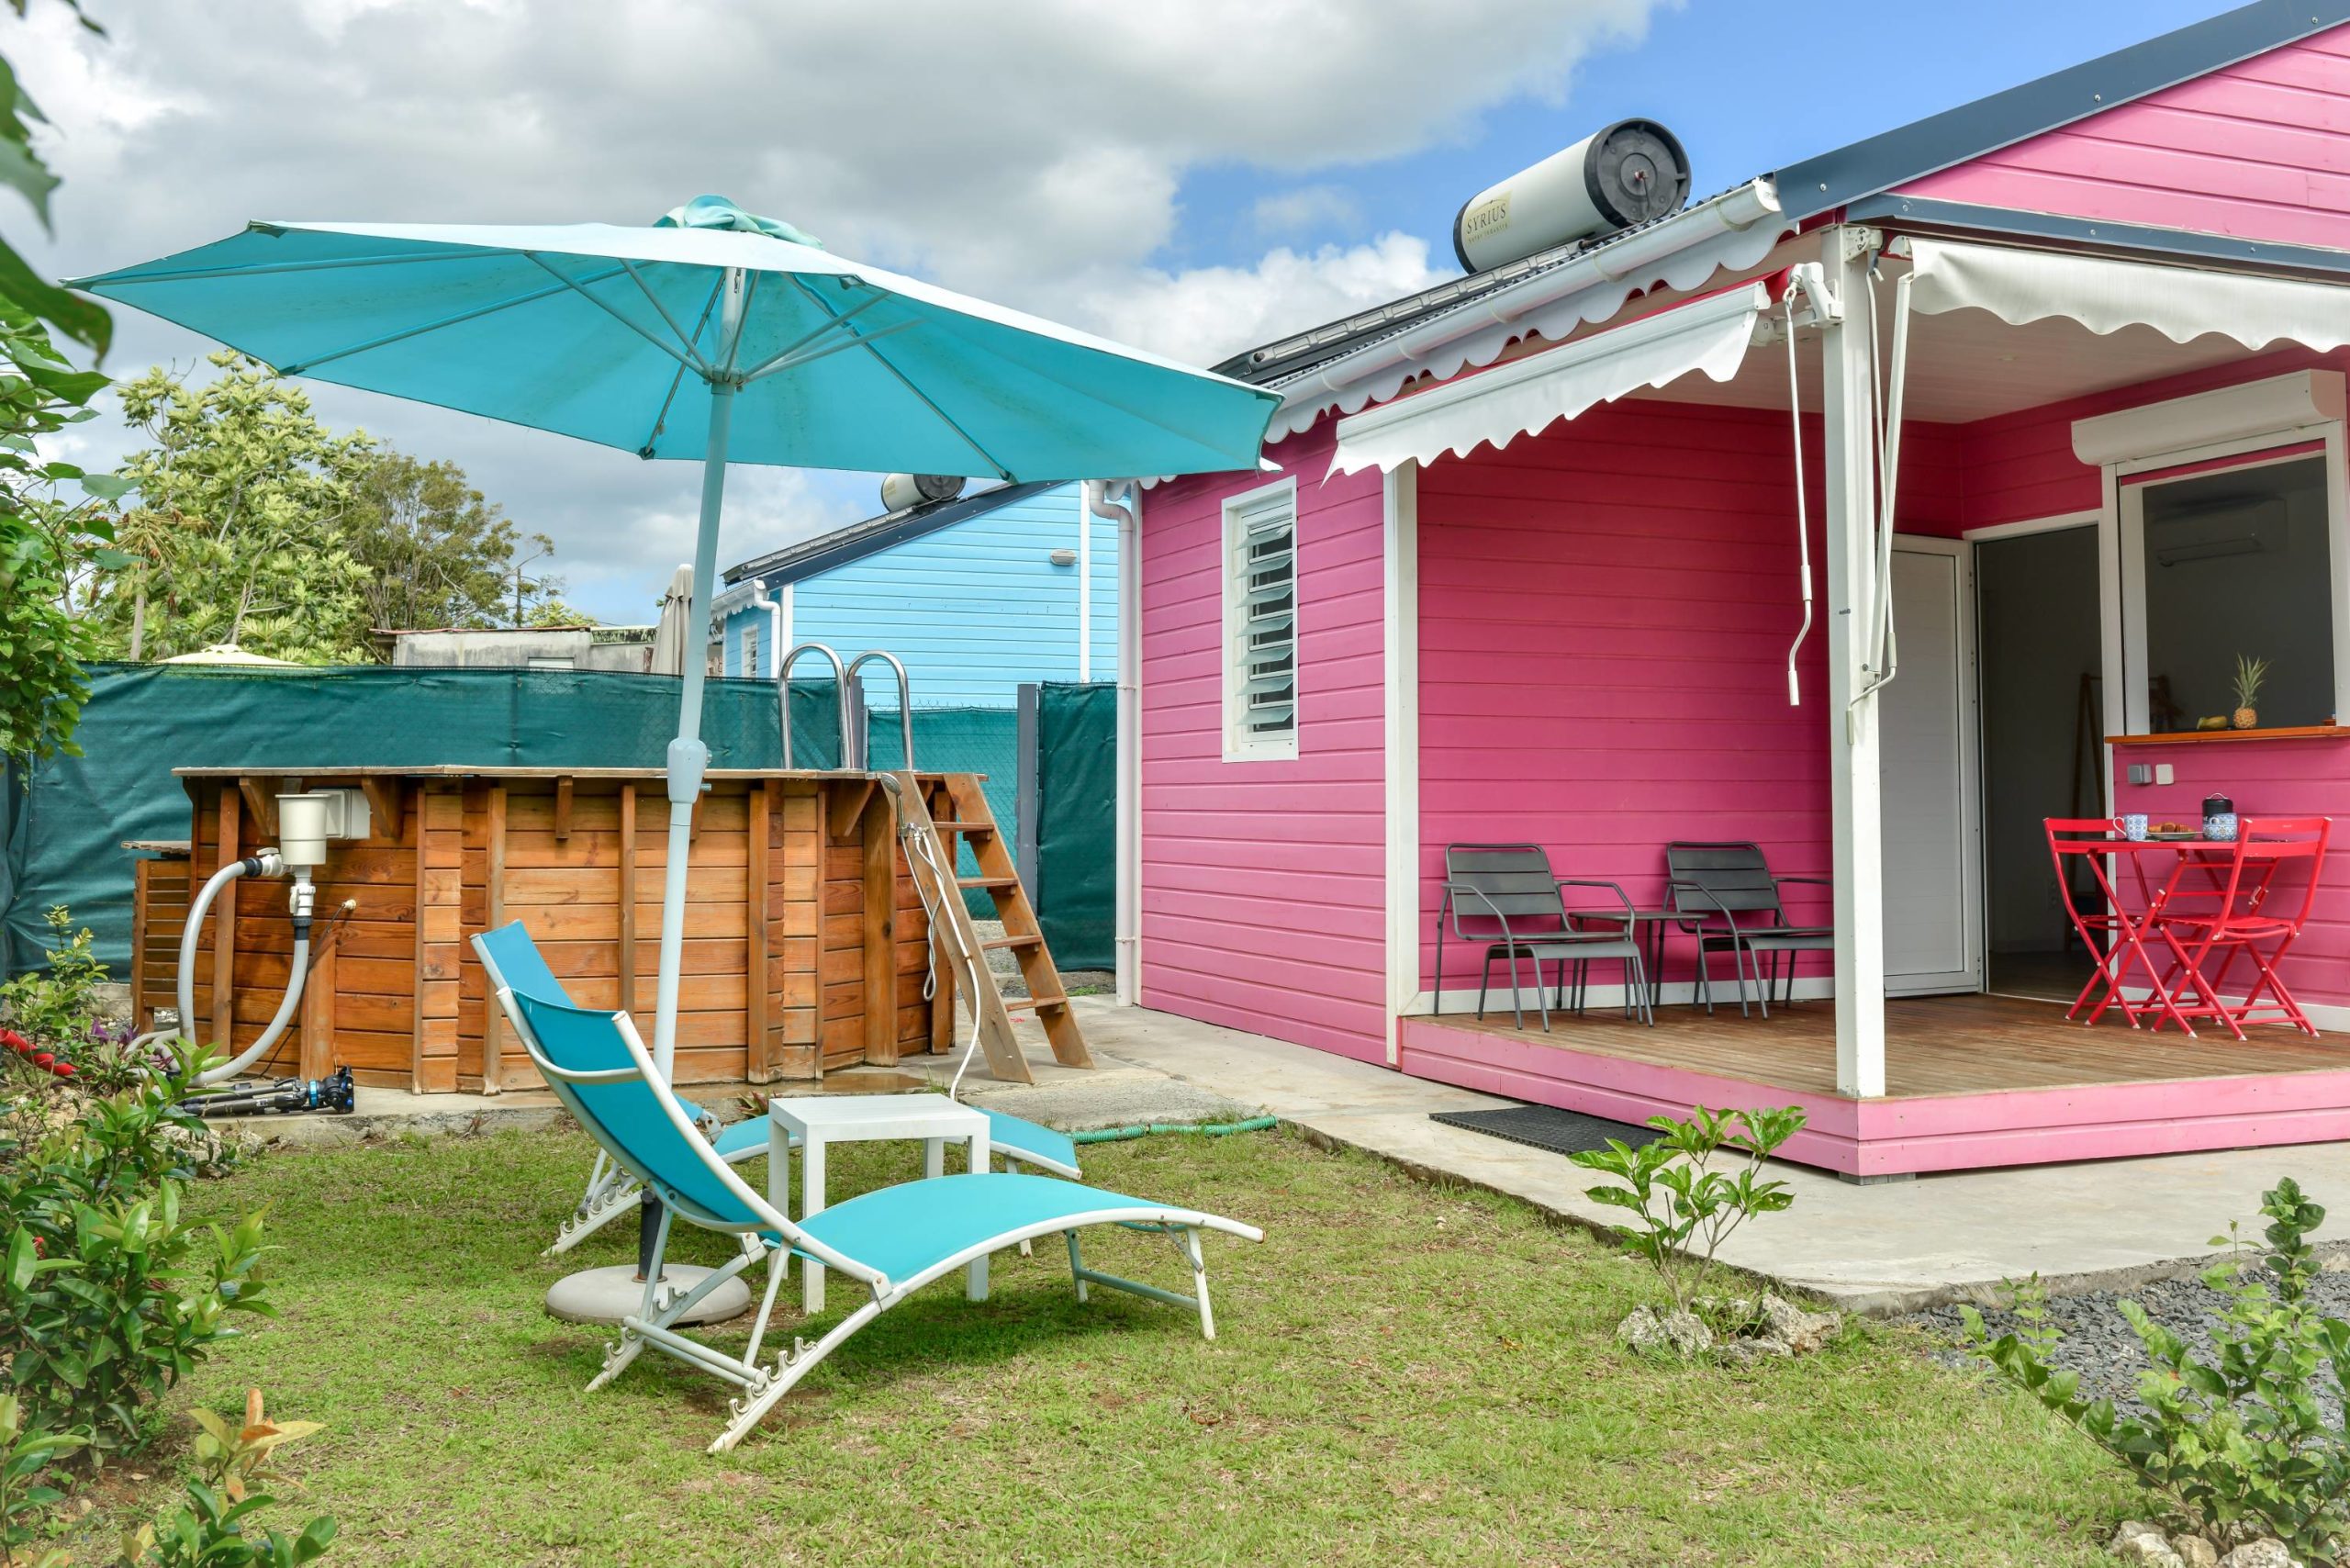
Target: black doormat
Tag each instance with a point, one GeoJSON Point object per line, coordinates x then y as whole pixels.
{"type": "Point", "coordinates": [1547, 1127]}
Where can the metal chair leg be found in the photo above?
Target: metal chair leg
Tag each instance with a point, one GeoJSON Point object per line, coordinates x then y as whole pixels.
{"type": "Point", "coordinates": [1436, 1004]}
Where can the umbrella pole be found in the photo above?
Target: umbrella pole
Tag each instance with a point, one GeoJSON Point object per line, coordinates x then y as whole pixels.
{"type": "Point", "coordinates": [688, 755]}
{"type": "Point", "coordinates": [688, 759]}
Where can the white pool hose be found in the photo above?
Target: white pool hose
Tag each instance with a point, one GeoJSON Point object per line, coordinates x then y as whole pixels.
{"type": "Point", "coordinates": [264, 863]}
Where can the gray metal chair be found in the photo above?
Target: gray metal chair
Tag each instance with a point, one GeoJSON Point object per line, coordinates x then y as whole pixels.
{"type": "Point", "coordinates": [1508, 892]}
{"type": "Point", "coordinates": [1733, 882]}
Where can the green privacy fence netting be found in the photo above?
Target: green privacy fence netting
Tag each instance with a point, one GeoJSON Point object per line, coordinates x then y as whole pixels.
{"type": "Point", "coordinates": [958, 740]}
{"type": "Point", "coordinates": [1076, 827]}
{"type": "Point", "coordinates": [61, 826]}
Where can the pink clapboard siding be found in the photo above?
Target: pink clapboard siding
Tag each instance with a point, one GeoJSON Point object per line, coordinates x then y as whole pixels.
{"type": "Point", "coordinates": [1263, 892]}
{"type": "Point", "coordinates": [2020, 467]}
{"type": "Point", "coordinates": [1605, 615]}
{"type": "Point", "coordinates": [2258, 150]}
{"type": "Point", "coordinates": [2281, 778]}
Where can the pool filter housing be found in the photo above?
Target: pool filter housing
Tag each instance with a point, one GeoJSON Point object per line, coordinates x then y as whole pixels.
{"type": "Point", "coordinates": [1630, 172]}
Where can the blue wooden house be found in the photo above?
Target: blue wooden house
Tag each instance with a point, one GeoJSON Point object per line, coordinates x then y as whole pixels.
{"type": "Point", "coordinates": [977, 593]}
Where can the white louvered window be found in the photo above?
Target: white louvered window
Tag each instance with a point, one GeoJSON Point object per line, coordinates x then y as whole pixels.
{"type": "Point", "coordinates": [751, 653]}
{"type": "Point", "coordinates": [1261, 624]}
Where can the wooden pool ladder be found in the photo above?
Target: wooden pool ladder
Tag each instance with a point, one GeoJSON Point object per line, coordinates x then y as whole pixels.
{"type": "Point", "coordinates": [932, 850]}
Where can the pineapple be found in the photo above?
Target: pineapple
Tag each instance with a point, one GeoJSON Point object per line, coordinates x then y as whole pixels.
{"type": "Point", "coordinates": [2250, 673]}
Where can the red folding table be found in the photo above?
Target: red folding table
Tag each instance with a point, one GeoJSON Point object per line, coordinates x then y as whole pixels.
{"type": "Point", "coordinates": [2215, 901]}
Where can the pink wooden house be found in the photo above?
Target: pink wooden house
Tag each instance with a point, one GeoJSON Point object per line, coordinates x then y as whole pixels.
{"type": "Point", "coordinates": [1543, 528]}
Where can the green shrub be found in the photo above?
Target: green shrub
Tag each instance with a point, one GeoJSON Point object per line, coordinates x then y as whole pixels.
{"type": "Point", "coordinates": [107, 1297]}
{"type": "Point", "coordinates": [25, 1453]}
{"type": "Point", "coordinates": [212, 1529]}
{"type": "Point", "coordinates": [57, 1009]}
{"type": "Point", "coordinates": [1685, 1209]}
{"type": "Point", "coordinates": [2239, 1438]}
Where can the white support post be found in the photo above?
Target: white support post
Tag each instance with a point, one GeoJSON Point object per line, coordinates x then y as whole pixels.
{"type": "Point", "coordinates": [1084, 587]}
{"type": "Point", "coordinates": [1846, 375]}
{"type": "Point", "coordinates": [1399, 674]}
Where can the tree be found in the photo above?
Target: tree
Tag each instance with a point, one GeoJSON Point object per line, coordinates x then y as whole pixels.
{"type": "Point", "coordinates": [555, 612]}
{"type": "Point", "coordinates": [541, 591]}
{"type": "Point", "coordinates": [435, 549]}
{"type": "Point", "coordinates": [48, 545]}
{"type": "Point", "coordinates": [34, 298]}
{"type": "Point", "coordinates": [243, 532]}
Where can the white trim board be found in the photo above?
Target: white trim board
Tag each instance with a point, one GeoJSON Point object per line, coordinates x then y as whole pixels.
{"type": "Point", "coordinates": [1461, 1002]}
{"type": "Point", "coordinates": [1400, 675]}
{"type": "Point", "coordinates": [2086, 519]}
{"type": "Point", "coordinates": [1461, 1006]}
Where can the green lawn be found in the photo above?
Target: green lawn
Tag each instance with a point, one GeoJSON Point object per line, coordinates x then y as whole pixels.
{"type": "Point", "coordinates": [1405, 1375]}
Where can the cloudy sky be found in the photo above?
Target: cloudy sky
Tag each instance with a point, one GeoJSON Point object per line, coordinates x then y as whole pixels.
{"type": "Point", "coordinates": [1194, 176]}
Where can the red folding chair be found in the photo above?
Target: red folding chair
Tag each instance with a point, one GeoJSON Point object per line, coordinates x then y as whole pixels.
{"type": "Point", "coordinates": [2113, 938]}
{"type": "Point", "coordinates": [2229, 906]}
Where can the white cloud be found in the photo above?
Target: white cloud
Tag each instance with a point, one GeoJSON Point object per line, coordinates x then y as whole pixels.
{"type": "Point", "coordinates": [1207, 313]}
{"type": "Point", "coordinates": [1028, 150]}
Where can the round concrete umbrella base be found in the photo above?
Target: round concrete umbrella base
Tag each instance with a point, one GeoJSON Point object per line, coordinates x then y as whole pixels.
{"type": "Point", "coordinates": [607, 1295]}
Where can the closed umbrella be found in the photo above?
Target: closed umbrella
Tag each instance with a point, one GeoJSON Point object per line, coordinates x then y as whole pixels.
{"type": "Point", "coordinates": [673, 634]}
{"type": "Point", "coordinates": [713, 334]}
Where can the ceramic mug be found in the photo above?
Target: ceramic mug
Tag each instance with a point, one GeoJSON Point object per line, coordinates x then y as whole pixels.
{"type": "Point", "coordinates": [2220, 827]}
{"type": "Point", "coordinates": [2133, 826]}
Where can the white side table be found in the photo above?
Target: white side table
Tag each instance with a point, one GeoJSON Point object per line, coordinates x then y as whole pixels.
{"type": "Point", "coordinates": [823, 1119]}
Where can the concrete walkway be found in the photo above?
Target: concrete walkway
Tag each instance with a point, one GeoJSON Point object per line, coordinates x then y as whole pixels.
{"type": "Point", "coordinates": [1889, 1248]}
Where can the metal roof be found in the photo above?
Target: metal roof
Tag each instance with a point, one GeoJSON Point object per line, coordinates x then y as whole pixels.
{"type": "Point", "coordinates": [858, 540]}
{"type": "Point", "coordinates": [1864, 168]}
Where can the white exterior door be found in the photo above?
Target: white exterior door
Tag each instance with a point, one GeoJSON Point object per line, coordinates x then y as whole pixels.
{"type": "Point", "coordinates": [1927, 768]}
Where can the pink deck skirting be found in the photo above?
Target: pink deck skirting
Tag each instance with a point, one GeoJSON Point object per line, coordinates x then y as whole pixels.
{"type": "Point", "coordinates": [1912, 1134]}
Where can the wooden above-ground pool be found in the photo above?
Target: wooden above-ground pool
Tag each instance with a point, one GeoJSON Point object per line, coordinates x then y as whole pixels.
{"type": "Point", "coordinates": [806, 946]}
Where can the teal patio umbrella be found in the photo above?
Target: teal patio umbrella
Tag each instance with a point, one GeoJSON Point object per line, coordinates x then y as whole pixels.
{"type": "Point", "coordinates": [713, 333]}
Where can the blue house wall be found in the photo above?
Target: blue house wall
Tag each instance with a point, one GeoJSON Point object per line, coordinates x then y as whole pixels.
{"type": "Point", "coordinates": [974, 609]}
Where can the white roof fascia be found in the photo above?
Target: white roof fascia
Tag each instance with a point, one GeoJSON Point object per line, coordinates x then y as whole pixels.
{"type": "Point", "coordinates": [1733, 230]}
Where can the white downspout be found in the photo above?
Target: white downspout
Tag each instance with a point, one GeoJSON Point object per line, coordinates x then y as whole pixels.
{"type": "Point", "coordinates": [760, 600]}
{"type": "Point", "coordinates": [1084, 588]}
{"type": "Point", "coordinates": [1129, 928]}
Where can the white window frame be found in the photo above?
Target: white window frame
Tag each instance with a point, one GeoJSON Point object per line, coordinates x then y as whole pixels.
{"type": "Point", "coordinates": [1240, 746]}
{"type": "Point", "coordinates": [746, 644]}
{"type": "Point", "coordinates": [2129, 516]}
{"type": "Point", "coordinates": [2237, 420]}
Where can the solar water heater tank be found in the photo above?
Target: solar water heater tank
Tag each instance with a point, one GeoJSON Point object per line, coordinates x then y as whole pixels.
{"type": "Point", "coordinates": [901, 491]}
{"type": "Point", "coordinates": [1630, 172]}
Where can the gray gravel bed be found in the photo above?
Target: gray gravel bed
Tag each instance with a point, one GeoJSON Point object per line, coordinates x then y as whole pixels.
{"type": "Point", "coordinates": [2099, 1344]}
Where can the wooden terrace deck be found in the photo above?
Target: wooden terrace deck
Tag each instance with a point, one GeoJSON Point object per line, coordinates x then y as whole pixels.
{"type": "Point", "coordinates": [1971, 1080]}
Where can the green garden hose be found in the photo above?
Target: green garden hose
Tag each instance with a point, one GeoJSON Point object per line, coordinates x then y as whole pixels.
{"type": "Point", "coordinates": [1212, 1129]}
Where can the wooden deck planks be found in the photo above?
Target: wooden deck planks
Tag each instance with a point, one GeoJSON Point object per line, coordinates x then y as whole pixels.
{"type": "Point", "coordinates": [1942, 1045]}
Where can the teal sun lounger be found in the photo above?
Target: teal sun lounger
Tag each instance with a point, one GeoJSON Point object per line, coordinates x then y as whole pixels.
{"type": "Point", "coordinates": [893, 1241]}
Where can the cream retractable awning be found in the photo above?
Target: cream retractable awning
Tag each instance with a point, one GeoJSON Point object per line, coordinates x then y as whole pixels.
{"type": "Point", "coordinates": [1524, 395]}
{"type": "Point", "coordinates": [2105, 296]}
